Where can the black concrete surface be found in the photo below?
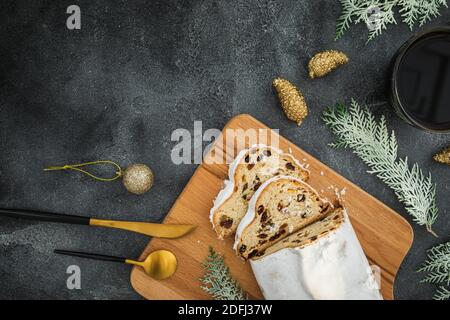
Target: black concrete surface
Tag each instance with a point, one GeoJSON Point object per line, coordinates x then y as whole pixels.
{"type": "Point", "coordinates": [136, 71]}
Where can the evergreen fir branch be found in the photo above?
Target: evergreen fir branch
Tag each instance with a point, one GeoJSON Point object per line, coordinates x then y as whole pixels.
{"type": "Point", "coordinates": [430, 10]}
{"type": "Point", "coordinates": [439, 276]}
{"type": "Point", "coordinates": [438, 257]}
{"type": "Point", "coordinates": [438, 267]}
{"type": "Point", "coordinates": [349, 7]}
{"type": "Point", "coordinates": [217, 280]}
{"type": "Point", "coordinates": [412, 12]}
{"type": "Point", "coordinates": [356, 128]}
{"type": "Point", "coordinates": [442, 294]}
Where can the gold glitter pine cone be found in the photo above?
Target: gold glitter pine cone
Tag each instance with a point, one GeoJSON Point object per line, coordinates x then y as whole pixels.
{"type": "Point", "coordinates": [291, 100]}
{"type": "Point", "coordinates": [324, 62]}
{"type": "Point", "coordinates": [443, 156]}
{"type": "Point", "coordinates": [138, 178]}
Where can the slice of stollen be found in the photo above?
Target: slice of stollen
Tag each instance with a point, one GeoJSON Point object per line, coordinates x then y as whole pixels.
{"type": "Point", "coordinates": [281, 206]}
{"type": "Point", "coordinates": [330, 267]}
{"type": "Point", "coordinates": [309, 234]}
{"type": "Point", "coordinates": [250, 169]}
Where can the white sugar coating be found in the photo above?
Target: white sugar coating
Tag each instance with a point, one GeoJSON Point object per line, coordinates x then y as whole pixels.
{"type": "Point", "coordinates": [321, 173]}
{"type": "Point", "coordinates": [290, 150]}
{"type": "Point", "coordinates": [332, 268]}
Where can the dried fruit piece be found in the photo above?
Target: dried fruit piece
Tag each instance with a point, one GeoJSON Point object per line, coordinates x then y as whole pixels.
{"type": "Point", "coordinates": [443, 156]}
{"type": "Point", "coordinates": [253, 253]}
{"type": "Point", "coordinates": [256, 186]}
{"type": "Point", "coordinates": [291, 99]}
{"type": "Point", "coordinates": [324, 62]}
{"type": "Point", "coordinates": [261, 253]}
{"type": "Point", "coordinates": [260, 209]}
{"type": "Point", "coordinates": [324, 207]}
{"type": "Point", "coordinates": [290, 166]}
{"type": "Point", "coordinates": [262, 235]}
{"type": "Point", "coordinates": [280, 206]}
{"type": "Point", "coordinates": [264, 216]}
{"type": "Point", "coordinates": [226, 222]}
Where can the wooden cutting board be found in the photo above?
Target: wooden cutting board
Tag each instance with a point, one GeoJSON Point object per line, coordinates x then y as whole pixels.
{"type": "Point", "coordinates": [385, 236]}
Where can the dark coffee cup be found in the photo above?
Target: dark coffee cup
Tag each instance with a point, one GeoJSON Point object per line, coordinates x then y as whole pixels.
{"type": "Point", "coordinates": [420, 83]}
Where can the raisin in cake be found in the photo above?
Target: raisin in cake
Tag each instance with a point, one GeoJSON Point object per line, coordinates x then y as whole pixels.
{"type": "Point", "coordinates": [281, 206]}
{"type": "Point", "coordinates": [321, 266]}
{"type": "Point", "coordinates": [251, 168]}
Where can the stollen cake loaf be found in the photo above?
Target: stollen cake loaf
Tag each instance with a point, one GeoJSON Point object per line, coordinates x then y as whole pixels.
{"type": "Point", "coordinates": [250, 169]}
{"type": "Point", "coordinates": [331, 267]}
{"type": "Point", "coordinates": [281, 206]}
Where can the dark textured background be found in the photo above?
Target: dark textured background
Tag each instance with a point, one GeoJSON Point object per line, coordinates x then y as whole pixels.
{"type": "Point", "coordinates": [137, 70]}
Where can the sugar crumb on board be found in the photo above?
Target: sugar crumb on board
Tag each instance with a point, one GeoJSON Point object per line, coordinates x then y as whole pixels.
{"type": "Point", "coordinates": [340, 194]}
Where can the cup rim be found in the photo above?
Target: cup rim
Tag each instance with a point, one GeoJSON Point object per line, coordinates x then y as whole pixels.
{"type": "Point", "coordinates": [399, 56]}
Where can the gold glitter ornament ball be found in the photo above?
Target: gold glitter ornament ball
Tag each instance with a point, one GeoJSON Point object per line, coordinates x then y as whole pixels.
{"type": "Point", "coordinates": [324, 62]}
{"type": "Point", "coordinates": [291, 100]}
{"type": "Point", "coordinates": [138, 178]}
{"type": "Point", "coordinates": [443, 156]}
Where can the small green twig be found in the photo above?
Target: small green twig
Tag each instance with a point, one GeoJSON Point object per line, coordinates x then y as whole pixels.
{"type": "Point", "coordinates": [217, 280]}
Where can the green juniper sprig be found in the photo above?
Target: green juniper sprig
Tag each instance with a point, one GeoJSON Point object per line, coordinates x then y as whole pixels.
{"type": "Point", "coordinates": [379, 14]}
{"type": "Point", "coordinates": [438, 267]}
{"type": "Point", "coordinates": [442, 294]}
{"type": "Point", "coordinates": [217, 280]}
{"type": "Point", "coordinates": [357, 129]}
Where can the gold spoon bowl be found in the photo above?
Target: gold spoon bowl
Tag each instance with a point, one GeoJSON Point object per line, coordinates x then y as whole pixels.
{"type": "Point", "coordinates": [160, 264]}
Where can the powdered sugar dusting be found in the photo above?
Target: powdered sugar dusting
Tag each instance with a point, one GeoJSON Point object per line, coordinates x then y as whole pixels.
{"type": "Point", "coordinates": [334, 267]}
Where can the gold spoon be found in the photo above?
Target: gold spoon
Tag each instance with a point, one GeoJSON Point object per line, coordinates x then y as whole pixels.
{"type": "Point", "coordinates": [159, 264]}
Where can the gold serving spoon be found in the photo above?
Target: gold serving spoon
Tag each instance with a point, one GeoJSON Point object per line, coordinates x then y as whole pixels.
{"type": "Point", "coordinates": [159, 264]}
{"type": "Point", "coordinates": [170, 231]}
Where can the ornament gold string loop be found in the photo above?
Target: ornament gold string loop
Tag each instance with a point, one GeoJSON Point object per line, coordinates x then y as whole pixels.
{"type": "Point", "coordinates": [77, 167]}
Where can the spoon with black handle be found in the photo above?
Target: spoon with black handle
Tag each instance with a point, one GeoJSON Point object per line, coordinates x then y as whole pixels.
{"type": "Point", "coordinates": [160, 264]}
